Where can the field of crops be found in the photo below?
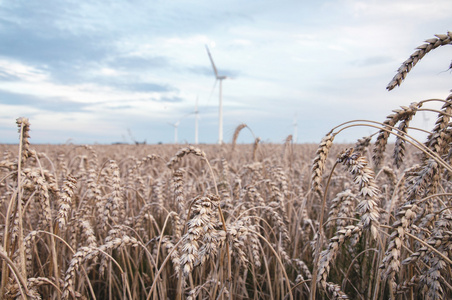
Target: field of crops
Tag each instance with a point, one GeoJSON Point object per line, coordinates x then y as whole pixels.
{"type": "Point", "coordinates": [370, 220]}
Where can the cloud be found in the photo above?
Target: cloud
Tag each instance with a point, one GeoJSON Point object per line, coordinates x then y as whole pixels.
{"type": "Point", "coordinates": [373, 60]}
{"type": "Point", "coordinates": [137, 63]}
{"type": "Point", "coordinates": [173, 99]}
{"type": "Point", "coordinates": [140, 63]}
{"type": "Point", "coordinates": [29, 45]}
{"type": "Point", "coordinates": [146, 87]}
{"type": "Point", "coordinates": [14, 70]}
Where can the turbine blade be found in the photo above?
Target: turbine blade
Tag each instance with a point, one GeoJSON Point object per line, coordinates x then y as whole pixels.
{"type": "Point", "coordinates": [186, 115]}
{"type": "Point", "coordinates": [213, 64]}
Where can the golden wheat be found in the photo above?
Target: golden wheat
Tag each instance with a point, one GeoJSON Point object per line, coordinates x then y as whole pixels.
{"type": "Point", "coordinates": [263, 221]}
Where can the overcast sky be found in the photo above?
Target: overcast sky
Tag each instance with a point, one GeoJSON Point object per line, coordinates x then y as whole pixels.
{"type": "Point", "coordinates": [95, 71]}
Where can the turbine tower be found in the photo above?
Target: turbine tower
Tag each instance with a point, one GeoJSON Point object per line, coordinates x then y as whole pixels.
{"type": "Point", "coordinates": [220, 109]}
{"type": "Point", "coordinates": [426, 119]}
{"type": "Point", "coordinates": [196, 121]}
{"type": "Point", "coordinates": [175, 125]}
{"type": "Point", "coordinates": [295, 129]}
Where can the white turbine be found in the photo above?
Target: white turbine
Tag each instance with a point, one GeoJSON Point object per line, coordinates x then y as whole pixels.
{"type": "Point", "coordinates": [426, 119]}
{"type": "Point", "coordinates": [175, 125]}
{"type": "Point", "coordinates": [220, 109]}
{"type": "Point", "coordinates": [295, 129]}
{"type": "Point", "coordinates": [196, 121]}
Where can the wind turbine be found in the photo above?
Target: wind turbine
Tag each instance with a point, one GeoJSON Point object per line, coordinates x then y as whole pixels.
{"type": "Point", "coordinates": [426, 119]}
{"type": "Point", "coordinates": [295, 129]}
{"type": "Point", "coordinates": [175, 125]}
{"type": "Point", "coordinates": [196, 121]}
{"type": "Point", "coordinates": [220, 109]}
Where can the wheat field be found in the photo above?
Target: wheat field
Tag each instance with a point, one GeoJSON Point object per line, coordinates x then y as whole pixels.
{"type": "Point", "coordinates": [369, 220]}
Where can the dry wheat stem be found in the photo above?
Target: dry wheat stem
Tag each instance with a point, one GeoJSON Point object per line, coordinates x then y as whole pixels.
{"type": "Point", "coordinates": [157, 275]}
{"type": "Point", "coordinates": [320, 238]}
{"type": "Point", "coordinates": [7, 175]}
{"type": "Point", "coordinates": [439, 112]}
{"type": "Point", "coordinates": [23, 154]}
{"type": "Point", "coordinates": [15, 270]}
{"type": "Point", "coordinates": [160, 240]}
{"type": "Point", "coordinates": [445, 208]}
{"type": "Point", "coordinates": [345, 280]}
{"type": "Point", "coordinates": [73, 252]}
{"type": "Point", "coordinates": [299, 283]}
{"type": "Point", "coordinates": [419, 129]}
{"type": "Point", "coordinates": [279, 261]}
{"type": "Point", "coordinates": [87, 253]}
{"type": "Point", "coordinates": [414, 142]}
{"type": "Point", "coordinates": [443, 256]}
{"type": "Point", "coordinates": [7, 240]}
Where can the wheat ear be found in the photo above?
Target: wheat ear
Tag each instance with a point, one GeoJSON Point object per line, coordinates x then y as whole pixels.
{"type": "Point", "coordinates": [236, 134]}
{"type": "Point", "coordinates": [318, 165]}
{"type": "Point", "coordinates": [405, 113]}
{"type": "Point", "coordinates": [67, 192]}
{"type": "Point", "coordinates": [433, 43]}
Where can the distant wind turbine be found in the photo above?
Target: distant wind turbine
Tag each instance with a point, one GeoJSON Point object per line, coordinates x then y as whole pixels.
{"type": "Point", "coordinates": [196, 121]}
{"type": "Point", "coordinates": [220, 109]}
{"type": "Point", "coordinates": [295, 129]}
{"type": "Point", "coordinates": [175, 125]}
{"type": "Point", "coordinates": [426, 119]}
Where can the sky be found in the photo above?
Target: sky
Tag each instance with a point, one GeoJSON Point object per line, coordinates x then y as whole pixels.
{"type": "Point", "coordinates": [109, 71]}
